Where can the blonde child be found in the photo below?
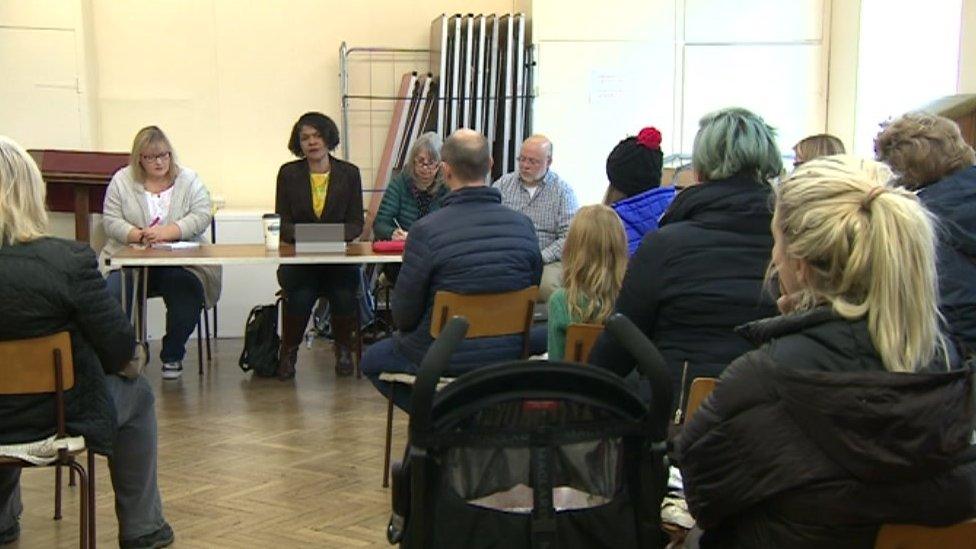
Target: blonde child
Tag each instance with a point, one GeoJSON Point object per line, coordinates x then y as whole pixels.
{"type": "Point", "coordinates": [594, 261]}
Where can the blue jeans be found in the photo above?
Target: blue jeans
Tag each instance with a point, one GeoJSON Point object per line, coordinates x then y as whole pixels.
{"type": "Point", "coordinates": [383, 356]}
{"type": "Point", "coordinates": [132, 465]}
{"type": "Point", "coordinates": [303, 284]}
{"type": "Point", "coordinates": [182, 292]}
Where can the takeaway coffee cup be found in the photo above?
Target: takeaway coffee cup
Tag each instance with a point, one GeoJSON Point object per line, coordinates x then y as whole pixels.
{"type": "Point", "coordinates": [272, 231]}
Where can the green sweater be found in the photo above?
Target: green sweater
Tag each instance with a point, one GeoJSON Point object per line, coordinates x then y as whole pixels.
{"type": "Point", "coordinates": [558, 322]}
{"type": "Point", "coordinates": [398, 203]}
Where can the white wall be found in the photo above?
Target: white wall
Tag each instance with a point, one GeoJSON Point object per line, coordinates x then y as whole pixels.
{"type": "Point", "coordinates": [608, 69]}
{"type": "Point", "coordinates": [967, 48]}
{"type": "Point", "coordinates": [897, 74]}
{"type": "Point", "coordinates": [226, 79]}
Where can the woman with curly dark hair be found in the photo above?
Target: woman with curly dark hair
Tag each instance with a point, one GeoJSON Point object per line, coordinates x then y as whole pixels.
{"type": "Point", "coordinates": [318, 188]}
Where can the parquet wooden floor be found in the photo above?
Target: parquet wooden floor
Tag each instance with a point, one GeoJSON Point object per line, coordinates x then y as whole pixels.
{"type": "Point", "coordinates": [249, 462]}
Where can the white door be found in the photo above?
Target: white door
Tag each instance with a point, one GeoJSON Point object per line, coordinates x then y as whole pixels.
{"type": "Point", "coordinates": [40, 100]}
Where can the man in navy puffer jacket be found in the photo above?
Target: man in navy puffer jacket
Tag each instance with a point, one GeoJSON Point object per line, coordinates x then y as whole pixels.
{"type": "Point", "coordinates": [472, 245]}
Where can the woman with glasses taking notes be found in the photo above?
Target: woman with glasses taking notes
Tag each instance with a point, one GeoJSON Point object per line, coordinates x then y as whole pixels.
{"type": "Point", "coordinates": [411, 194]}
{"type": "Point", "coordinates": [155, 200]}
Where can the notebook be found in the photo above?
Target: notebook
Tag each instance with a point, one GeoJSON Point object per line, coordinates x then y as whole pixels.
{"type": "Point", "coordinates": [176, 245]}
{"type": "Point", "coordinates": [320, 238]}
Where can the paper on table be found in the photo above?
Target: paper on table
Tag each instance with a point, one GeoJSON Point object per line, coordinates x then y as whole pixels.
{"type": "Point", "coordinates": [178, 245]}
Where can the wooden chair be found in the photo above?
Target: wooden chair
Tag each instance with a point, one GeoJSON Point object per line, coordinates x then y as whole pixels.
{"type": "Point", "coordinates": [579, 341]}
{"type": "Point", "coordinates": [44, 365]}
{"type": "Point", "coordinates": [489, 315]}
{"type": "Point", "coordinates": [700, 388]}
{"type": "Point", "coordinates": [910, 536]}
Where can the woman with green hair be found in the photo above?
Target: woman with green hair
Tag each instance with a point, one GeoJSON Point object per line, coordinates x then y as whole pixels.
{"type": "Point", "coordinates": [701, 274]}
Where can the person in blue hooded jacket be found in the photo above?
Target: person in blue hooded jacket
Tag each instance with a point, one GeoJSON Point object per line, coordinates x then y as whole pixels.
{"type": "Point", "coordinates": [929, 156]}
{"type": "Point", "coordinates": [635, 191]}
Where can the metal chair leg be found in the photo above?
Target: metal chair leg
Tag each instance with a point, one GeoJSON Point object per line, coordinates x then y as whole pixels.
{"type": "Point", "coordinates": [206, 333]}
{"type": "Point", "coordinates": [91, 498]}
{"type": "Point", "coordinates": [359, 345]}
{"type": "Point", "coordinates": [57, 492]}
{"type": "Point", "coordinates": [199, 348]}
{"type": "Point", "coordinates": [84, 512]}
{"type": "Point", "coordinates": [389, 438]}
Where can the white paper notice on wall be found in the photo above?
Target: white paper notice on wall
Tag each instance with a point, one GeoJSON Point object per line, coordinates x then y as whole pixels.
{"type": "Point", "coordinates": [607, 87]}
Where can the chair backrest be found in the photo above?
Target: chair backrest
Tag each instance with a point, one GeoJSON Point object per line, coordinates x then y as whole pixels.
{"type": "Point", "coordinates": [579, 341]}
{"type": "Point", "coordinates": [498, 314]}
{"type": "Point", "coordinates": [30, 366]}
{"type": "Point", "coordinates": [701, 387]}
{"type": "Point", "coordinates": [910, 536]}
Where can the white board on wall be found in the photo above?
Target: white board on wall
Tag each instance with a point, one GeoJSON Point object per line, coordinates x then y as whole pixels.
{"type": "Point", "coordinates": [785, 84]}
{"type": "Point", "coordinates": [741, 21]}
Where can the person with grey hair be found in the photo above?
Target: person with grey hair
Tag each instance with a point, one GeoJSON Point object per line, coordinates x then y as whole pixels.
{"type": "Point", "coordinates": [471, 245]}
{"type": "Point", "coordinates": [538, 192]}
{"type": "Point", "coordinates": [49, 285]}
{"type": "Point", "coordinates": [411, 194]}
{"type": "Point", "coordinates": [414, 192]}
{"type": "Point", "coordinates": [701, 274]}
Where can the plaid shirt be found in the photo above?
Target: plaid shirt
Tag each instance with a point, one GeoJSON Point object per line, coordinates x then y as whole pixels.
{"type": "Point", "coordinates": [551, 209]}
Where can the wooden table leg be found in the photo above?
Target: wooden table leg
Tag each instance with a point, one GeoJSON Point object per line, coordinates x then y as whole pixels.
{"type": "Point", "coordinates": [82, 230]}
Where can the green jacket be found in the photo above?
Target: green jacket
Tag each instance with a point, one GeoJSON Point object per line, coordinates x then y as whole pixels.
{"type": "Point", "coordinates": [398, 203]}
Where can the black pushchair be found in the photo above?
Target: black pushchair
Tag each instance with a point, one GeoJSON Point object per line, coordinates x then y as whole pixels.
{"type": "Point", "coordinates": [533, 454]}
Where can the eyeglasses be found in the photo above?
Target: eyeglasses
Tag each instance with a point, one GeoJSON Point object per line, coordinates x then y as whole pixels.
{"type": "Point", "coordinates": [154, 157]}
{"type": "Point", "coordinates": [530, 161]}
{"type": "Point", "coordinates": [421, 163]}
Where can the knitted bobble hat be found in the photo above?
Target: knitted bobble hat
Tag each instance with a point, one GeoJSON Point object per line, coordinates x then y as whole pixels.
{"type": "Point", "coordinates": [634, 165]}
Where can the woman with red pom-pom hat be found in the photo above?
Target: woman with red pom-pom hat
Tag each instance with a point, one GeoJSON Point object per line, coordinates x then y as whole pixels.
{"type": "Point", "coordinates": [635, 192]}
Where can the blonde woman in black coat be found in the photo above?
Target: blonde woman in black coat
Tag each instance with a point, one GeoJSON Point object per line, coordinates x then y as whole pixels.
{"type": "Point", "coordinates": [48, 285]}
{"type": "Point", "coordinates": [854, 410]}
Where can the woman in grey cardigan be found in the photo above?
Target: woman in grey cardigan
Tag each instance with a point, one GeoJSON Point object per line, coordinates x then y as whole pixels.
{"type": "Point", "coordinates": [154, 200]}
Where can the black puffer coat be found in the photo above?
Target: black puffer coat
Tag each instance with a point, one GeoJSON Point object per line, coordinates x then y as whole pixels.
{"type": "Point", "coordinates": [51, 285]}
{"type": "Point", "coordinates": [697, 278]}
{"type": "Point", "coordinates": [809, 442]}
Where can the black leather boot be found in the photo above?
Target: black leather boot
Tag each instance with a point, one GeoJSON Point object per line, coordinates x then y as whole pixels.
{"type": "Point", "coordinates": [344, 333]}
{"type": "Point", "coordinates": [292, 333]}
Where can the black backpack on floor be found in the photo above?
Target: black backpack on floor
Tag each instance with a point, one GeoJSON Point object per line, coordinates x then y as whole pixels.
{"type": "Point", "coordinates": [261, 341]}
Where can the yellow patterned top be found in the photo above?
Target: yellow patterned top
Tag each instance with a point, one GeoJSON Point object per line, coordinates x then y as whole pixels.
{"type": "Point", "coordinates": [320, 186]}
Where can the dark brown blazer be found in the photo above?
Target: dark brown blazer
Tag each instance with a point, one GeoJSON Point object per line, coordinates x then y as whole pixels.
{"type": "Point", "coordinates": [343, 200]}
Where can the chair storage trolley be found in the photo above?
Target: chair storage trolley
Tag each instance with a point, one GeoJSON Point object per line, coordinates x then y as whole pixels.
{"type": "Point", "coordinates": [533, 454]}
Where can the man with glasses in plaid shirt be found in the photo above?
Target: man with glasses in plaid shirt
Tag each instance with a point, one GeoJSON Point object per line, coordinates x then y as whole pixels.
{"type": "Point", "coordinates": [547, 200]}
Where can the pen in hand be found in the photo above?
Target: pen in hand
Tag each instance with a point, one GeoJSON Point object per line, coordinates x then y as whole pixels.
{"type": "Point", "coordinates": [399, 233]}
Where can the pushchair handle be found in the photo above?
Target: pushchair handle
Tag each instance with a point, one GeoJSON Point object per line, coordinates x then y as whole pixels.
{"type": "Point", "coordinates": [433, 365]}
{"type": "Point", "coordinates": [650, 364]}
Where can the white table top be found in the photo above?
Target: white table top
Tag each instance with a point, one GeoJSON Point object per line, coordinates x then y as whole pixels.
{"type": "Point", "coordinates": [246, 254]}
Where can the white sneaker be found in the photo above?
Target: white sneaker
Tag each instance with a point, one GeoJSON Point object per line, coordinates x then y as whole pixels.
{"type": "Point", "coordinates": [172, 370]}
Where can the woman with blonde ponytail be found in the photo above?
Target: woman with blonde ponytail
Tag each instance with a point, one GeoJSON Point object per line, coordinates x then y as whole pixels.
{"type": "Point", "coordinates": [854, 411]}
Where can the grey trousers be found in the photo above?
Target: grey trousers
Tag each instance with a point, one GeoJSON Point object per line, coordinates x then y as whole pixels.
{"type": "Point", "coordinates": [552, 279]}
{"type": "Point", "coordinates": [132, 466]}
